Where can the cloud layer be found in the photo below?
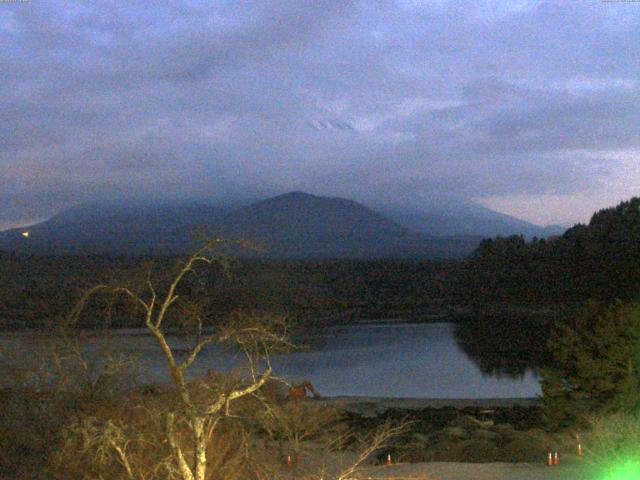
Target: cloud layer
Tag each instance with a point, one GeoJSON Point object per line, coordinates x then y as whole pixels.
{"type": "Point", "coordinates": [400, 101]}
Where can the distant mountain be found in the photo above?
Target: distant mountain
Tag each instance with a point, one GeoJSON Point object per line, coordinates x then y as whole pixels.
{"type": "Point", "coordinates": [466, 218]}
{"type": "Point", "coordinates": [298, 225]}
{"type": "Point", "coordinates": [293, 225]}
{"type": "Point", "coordinates": [114, 228]}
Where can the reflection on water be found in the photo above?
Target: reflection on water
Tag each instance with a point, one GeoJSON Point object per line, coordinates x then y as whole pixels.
{"type": "Point", "coordinates": [389, 360]}
{"type": "Point", "coordinates": [504, 346]}
{"type": "Point", "coordinates": [399, 360]}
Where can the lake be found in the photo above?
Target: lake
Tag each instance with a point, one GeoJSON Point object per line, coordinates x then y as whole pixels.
{"type": "Point", "coordinates": [399, 360]}
{"type": "Point", "coordinates": [381, 359]}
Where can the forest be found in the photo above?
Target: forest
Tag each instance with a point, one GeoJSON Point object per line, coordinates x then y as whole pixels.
{"type": "Point", "coordinates": [41, 290]}
{"type": "Point", "coordinates": [598, 261]}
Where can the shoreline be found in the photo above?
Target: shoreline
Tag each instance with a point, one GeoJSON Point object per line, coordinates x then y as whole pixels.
{"type": "Point", "coordinates": [321, 324]}
{"type": "Point", "coordinates": [381, 404]}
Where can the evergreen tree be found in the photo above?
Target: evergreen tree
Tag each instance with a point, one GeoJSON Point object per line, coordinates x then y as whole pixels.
{"type": "Point", "coordinates": [596, 364]}
{"type": "Point", "coordinates": [600, 260]}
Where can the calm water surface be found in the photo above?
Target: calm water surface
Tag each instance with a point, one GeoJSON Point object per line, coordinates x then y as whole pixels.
{"type": "Point", "coordinates": [390, 360]}
{"type": "Point", "coordinates": [399, 360]}
{"type": "Point", "coordinates": [386, 359]}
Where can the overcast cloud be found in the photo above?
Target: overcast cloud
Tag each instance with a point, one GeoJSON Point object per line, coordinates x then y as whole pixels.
{"type": "Point", "coordinates": [532, 108]}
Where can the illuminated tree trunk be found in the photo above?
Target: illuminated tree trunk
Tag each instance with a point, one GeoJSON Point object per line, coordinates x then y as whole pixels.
{"type": "Point", "coordinates": [201, 447]}
{"type": "Point", "coordinates": [183, 466]}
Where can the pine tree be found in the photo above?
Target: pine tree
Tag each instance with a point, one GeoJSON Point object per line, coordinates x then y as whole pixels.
{"type": "Point", "coordinates": [596, 364]}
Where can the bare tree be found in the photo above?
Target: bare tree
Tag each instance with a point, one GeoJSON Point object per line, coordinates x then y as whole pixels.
{"type": "Point", "coordinates": [296, 425]}
{"type": "Point", "coordinates": [190, 416]}
{"type": "Point", "coordinates": [201, 408]}
{"type": "Point", "coordinates": [371, 444]}
{"type": "Point", "coordinates": [316, 432]}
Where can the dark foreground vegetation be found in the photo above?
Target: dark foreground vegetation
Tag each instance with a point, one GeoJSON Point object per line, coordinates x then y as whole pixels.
{"type": "Point", "coordinates": [470, 434]}
{"type": "Point", "coordinates": [116, 432]}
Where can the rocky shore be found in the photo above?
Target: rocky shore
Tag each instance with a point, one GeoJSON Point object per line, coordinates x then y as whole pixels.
{"type": "Point", "coordinates": [461, 430]}
{"type": "Point", "coordinates": [377, 405]}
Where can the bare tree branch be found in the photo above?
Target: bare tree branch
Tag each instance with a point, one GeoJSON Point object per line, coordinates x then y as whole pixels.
{"type": "Point", "coordinates": [199, 413]}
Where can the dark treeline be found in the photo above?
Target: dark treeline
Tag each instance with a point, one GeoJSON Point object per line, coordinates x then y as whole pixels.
{"type": "Point", "coordinates": [42, 290]}
{"type": "Point", "coordinates": [522, 293]}
{"type": "Point", "coordinates": [598, 261]}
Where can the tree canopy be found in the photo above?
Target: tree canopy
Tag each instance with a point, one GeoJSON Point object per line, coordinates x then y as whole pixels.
{"type": "Point", "coordinates": [600, 260]}
{"type": "Point", "coordinates": [596, 364]}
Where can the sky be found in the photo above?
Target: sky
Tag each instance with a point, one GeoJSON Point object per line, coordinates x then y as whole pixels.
{"type": "Point", "coordinates": [531, 108]}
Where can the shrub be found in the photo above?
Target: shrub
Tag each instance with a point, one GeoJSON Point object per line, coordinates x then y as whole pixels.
{"type": "Point", "coordinates": [596, 365]}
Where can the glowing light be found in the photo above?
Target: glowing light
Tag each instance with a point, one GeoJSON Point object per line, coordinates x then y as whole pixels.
{"type": "Point", "coordinates": [25, 234]}
{"type": "Point", "coordinates": [625, 471]}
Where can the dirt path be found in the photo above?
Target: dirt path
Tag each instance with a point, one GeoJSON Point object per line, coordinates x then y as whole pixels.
{"type": "Point", "coordinates": [479, 471]}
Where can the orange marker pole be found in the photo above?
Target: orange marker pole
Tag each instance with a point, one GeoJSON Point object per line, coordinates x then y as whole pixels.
{"type": "Point", "coordinates": [289, 462]}
{"type": "Point", "coordinates": [388, 459]}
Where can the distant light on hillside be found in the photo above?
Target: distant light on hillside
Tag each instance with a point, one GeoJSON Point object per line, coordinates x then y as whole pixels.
{"type": "Point", "coordinates": [25, 234]}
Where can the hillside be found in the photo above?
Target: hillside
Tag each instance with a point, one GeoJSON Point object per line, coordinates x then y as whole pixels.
{"type": "Point", "coordinates": [456, 217]}
{"type": "Point", "coordinates": [300, 225]}
{"type": "Point", "coordinates": [114, 228]}
{"type": "Point", "coordinates": [293, 225]}
{"type": "Point", "coordinates": [600, 260]}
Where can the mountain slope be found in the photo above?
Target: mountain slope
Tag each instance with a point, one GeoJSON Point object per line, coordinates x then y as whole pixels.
{"type": "Point", "coordinates": [113, 228]}
{"type": "Point", "coordinates": [297, 224]}
{"type": "Point", "coordinates": [466, 218]}
{"type": "Point", "coordinates": [293, 225]}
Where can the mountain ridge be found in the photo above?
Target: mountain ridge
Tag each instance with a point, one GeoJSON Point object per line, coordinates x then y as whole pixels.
{"type": "Point", "coordinates": [291, 225]}
{"type": "Point", "coordinates": [467, 218]}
